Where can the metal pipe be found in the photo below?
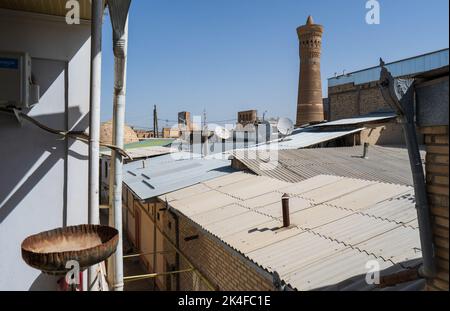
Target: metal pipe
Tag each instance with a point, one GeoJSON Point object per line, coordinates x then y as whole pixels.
{"type": "Point", "coordinates": [394, 279]}
{"type": "Point", "coordinates": [94, 123]}
{"type": "Point", "coordinates": [423, 214]}
{"type": "Point", "coordinates": [154, 275]}
{"type": "Point", "coordinates": [285, 206]}
{"type": "Point", "coordinates": [400, 95]}
{"type": "Point", "coordinates": [366, 151]}
{"type": "Point", "coordinates": [120, 69]}
{"type": "Point", "coordinates": [177, 244]}
{"type": "Point", "coordinates": [146, 254]}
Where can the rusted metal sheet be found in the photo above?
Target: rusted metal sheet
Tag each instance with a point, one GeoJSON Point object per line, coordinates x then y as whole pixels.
{"type": "Point", "coordinates": [87, 244]}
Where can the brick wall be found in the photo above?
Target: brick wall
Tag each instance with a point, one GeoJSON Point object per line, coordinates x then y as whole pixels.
{"type": "Point", "coordinates": [221, 266]}
{"type": "Point", "coordinates": [351, 100]}
{"type": "Point", "coordinates": [437, 174]}
{"type": "Point", "coordinates": [224, 269]}
{"type": "Point", "coordinates": [389, 133]}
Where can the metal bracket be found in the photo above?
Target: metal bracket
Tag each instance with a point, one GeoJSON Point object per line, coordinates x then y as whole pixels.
{"type": "Point", "coordinates": [118, 10]}
{"type": "Point", "coordinates": [398, 93]}
{"type": "Point", "coordinates": [277, 282]}
{"type": "Point", "coordinates": [18, 116]}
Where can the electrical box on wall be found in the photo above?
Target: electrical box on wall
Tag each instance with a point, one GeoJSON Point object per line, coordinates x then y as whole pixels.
{"type": "Point", "coordinates": [17, 88]}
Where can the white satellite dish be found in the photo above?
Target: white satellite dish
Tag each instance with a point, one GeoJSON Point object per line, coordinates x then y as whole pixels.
{"type": "Point", "coordinates": [285, 126]}
{"type": "Point", "coordinates": [222, 133]}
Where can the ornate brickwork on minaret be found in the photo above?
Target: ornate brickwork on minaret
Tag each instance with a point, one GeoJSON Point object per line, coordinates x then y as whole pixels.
{"type": "Point", "coordinates": [310, 102]}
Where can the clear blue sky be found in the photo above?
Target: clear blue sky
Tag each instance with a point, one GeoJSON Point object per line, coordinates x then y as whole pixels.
{"type": "Point", "coordinates": [231, 55]}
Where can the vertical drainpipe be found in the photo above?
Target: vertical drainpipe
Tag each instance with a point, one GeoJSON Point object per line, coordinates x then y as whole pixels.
{"type": "Point", "coordinates": [120, 52]}
{"type": "Point", "coordinates": [400, 95]}
{"type": "Point", "coordinates": [119, 18]}
{"type": "Point", "coordinates": [177, 243]}
{"type": "Point", "coordinates": [94, 123]}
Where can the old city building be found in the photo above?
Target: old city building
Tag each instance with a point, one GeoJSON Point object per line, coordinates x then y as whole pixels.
{"type": "Point", "coordinates": [247, 117]}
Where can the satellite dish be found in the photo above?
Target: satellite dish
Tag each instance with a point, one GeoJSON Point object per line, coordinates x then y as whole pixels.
{"type": "Point", "coordinates": [285, 126]}
{"type": "Point", "coordinates": [222, 133]}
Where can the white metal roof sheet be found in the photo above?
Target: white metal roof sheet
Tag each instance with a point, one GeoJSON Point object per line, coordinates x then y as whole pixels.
{"type": "Point", "coordinates": [397, 245]}
{"type": "Point", "coordinates": [369, 195]}
{"type": "Point", "coordinates": [355, 229]}
{"type": "Point", "coordinates": [404, 67]}
{"type": "Point", "coordinates": [336, 190]}
{"type": "Point", "coordinates": [303, 138]}
{"type": "Point", "coordinates": [332, 269]}
{"type": "Point", "coordinates": [317, 216]}
{"type": "Point", "coordinates": [160, 176]}
{"type": "Point", "coordinates": [326, 244]}
{"type": "Point", "coordinates": [359, 120]}
{"type": "Point", "coordinates": [143, 152]}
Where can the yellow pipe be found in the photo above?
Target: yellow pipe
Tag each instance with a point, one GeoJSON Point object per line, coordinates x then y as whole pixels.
{"type": "Point", "coordinates": [145, 254]}
{"type": "Point", "coordinates": [152, 275]}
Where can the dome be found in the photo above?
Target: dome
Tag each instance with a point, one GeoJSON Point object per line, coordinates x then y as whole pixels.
{"type": "Point", "coordinates": [130, 135]}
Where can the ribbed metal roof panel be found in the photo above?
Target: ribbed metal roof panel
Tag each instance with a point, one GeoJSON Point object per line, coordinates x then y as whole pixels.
{"type": "Point", "coordinates": [313, 183]}
{"type": "Point", "coordinates": [216, 215]}
{"type": "Point", "coordinates": [332, 269]}
{"type": "Point", "coordinates": [247, 189]}
{"type": "Point", "coordinates": [404, 67]}
{"type": "Point", "coordinates": [328, 242]}
{"type": "Point", "coordinates": [337, 190]}
{"type": "Point", "coordinates": [360, 119]}
{"type": "Point", "coordinates": [355, 229]}
{"type": "Point", "coordinates": [275, 209]}
{"type": "Point", "coordinates": [242, 222]}
{"type": "Point", "coordinates": [305, 138]}
{"type": "Point", "coordinates": [161, 176]}
{"type": "Point", "coordinates": [318, 216]}
{"type": "Point", "coordinates": [247, 242]}
{"type": "Point", "coordinates": [227, 180]}
{"type": "Point", "coordinates": [399, 209]}
{"type": "Point", "coordinates": [384, 164]}
{"type": "Point", "coordinates": [49, 7]}
{"type": "Point", "coordinates": [202, 202]}
{"type": "Point", "coordinates": [400, 244]}
{"type": "Point", "coordinates": [369, 195]}
{"type": "Point", "coordinates": [296, 253]}
{"type": "Point", "coordinates": [187, 192]}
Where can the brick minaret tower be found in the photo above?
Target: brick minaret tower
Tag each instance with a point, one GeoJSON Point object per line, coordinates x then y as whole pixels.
{"type": "Point", "coordinates": [310, 102]}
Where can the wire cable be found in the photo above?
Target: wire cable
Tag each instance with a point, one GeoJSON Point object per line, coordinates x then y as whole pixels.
{"type": "Point", "coordinates": [78, 135]}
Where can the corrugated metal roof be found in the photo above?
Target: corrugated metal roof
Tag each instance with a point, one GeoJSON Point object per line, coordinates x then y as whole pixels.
{"type": "Point", "coordinates": [50, 7]}
{"type": "Point", "coordinates": [144, 152]}
{"type": "Point", "coordinates": [405, 67]}
{"type": "Point", "coordinates": [339, 224]}
{"type": "Point", "coordinates": [160, 175]}
{"type": "Point", "coordinates": [386, 164]}
{"type": "Point", "coordinates": [145, 148]}
{"type": "Point", "coordinates": [300, 138]}
{"type": "Point", "coordinates": [303, 138]}
{"type": "Point", "coordinates": [373, 117]}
